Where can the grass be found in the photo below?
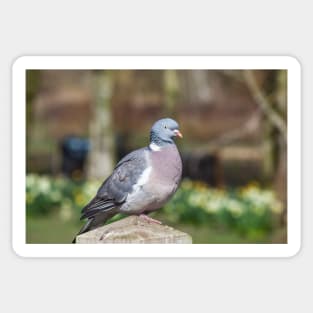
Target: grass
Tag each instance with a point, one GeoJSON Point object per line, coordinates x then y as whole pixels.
{"type": "Point", "coordinates": [52, 229]}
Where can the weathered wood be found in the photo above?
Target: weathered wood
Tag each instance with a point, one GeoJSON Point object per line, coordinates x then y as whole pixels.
{"type": "Point", "coordinates": [134, 229]}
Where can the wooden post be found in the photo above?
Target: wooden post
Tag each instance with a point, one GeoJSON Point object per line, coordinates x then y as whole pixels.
{"type": "Point", "coordinates": [134, 229]}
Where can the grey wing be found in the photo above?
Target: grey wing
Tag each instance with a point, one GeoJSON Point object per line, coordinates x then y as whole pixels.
{"type": "Point", "coordinates": [115, 189]}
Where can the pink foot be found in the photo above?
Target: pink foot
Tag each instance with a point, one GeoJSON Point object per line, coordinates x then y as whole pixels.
{"type": "Point", "coordinates": [149, 219]}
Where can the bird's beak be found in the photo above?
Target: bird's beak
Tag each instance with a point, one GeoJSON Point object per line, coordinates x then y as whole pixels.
{"type": "Point", "coordinates": [178, 133]}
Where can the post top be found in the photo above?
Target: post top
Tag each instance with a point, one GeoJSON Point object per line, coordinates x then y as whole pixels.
{"type": "Point", "coordinates": [134, 229]}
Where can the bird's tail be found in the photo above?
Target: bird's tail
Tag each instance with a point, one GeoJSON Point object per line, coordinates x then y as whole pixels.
{"type": "Point", "coordinates": [85, 228]}
{"type": "Point", "coordinates": [95, 222]}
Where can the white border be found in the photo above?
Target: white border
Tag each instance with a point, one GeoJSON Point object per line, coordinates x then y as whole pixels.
{"type": "Point", "coordinates": [156, 62]}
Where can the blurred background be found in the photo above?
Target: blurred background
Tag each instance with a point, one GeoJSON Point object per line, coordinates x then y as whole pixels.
{"type": "Point", "coordinates": [234, 122]}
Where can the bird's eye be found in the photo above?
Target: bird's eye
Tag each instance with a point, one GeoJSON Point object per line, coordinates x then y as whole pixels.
{"type": "Point", "coordinates": [165, 126]}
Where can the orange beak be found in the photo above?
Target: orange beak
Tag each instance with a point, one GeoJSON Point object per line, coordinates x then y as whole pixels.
{"type": "Point", "coordinates": [178, 133]}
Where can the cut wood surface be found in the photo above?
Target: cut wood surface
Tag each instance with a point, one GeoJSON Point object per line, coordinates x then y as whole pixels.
{"type": "Point", "coordinates": [134, 229]}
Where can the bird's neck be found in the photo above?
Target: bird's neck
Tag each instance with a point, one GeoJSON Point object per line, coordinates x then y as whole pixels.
{"type": "Point", "coordinates": [158, 145]}
{"type": "Point", "coordinates": [156, 140]}
{"type": "Point", "coordinates": [154, 147]}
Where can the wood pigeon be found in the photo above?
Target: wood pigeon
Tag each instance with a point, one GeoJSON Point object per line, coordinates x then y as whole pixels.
{"type": "Point", "coordinates": [142, 181]}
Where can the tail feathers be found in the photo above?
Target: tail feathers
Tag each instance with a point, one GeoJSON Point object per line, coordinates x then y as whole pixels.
{"type": "Point", "coordinates": [95, 222]}
{"type": "Point", "coordinates": [84, 229]}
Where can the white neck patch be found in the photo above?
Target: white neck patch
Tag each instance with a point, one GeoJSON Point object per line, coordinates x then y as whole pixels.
{"type": "Point", "coordinates": [154, 147]}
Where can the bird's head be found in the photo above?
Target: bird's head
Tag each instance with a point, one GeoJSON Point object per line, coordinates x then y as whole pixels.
{"type": "Point", "coordinates": [164, 131]}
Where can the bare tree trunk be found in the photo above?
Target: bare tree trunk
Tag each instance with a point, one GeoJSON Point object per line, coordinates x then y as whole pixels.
{"type": "Point", "coordinates": [171, 89]}
{"type": "Point", "coordinates": [280, 181]}
{"type": "Point", "coordinates": [100, 161]}
{"type": "Point", "coordinates": [273, 103]}
{"type": "Point", "coordinates": [195, 86]}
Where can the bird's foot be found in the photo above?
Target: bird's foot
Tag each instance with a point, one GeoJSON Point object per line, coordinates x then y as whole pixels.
{"type": "Point", "coordinates": [149, 219]}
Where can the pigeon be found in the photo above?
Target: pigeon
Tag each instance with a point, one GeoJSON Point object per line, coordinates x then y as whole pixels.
{"type": "Point", "coordinates": [141, 182]}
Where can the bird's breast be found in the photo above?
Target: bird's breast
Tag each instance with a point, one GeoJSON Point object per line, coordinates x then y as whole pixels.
{"type": "Point", "coordinates": [166, 171]}
{"type": "Point", "coordinates": [158, 183]}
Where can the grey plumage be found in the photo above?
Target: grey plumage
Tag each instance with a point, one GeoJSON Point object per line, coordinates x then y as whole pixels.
{"type": "Point", "coordinates": [142, 181]}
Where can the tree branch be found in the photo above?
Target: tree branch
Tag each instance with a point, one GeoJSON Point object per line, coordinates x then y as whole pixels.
{"type": "Point", "coordinates": [233, 135]}
{"type": "Point", "coordinates": [264, 104]}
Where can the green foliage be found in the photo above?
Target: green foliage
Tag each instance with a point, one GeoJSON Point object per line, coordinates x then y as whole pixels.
{"type": "Point", "coordinates": [249, 211]}
{"type": "Point", "coordinates": [57, 195]}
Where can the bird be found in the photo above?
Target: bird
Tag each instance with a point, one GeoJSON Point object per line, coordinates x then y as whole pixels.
{"type": "Point", "coordinates": [141, 182]}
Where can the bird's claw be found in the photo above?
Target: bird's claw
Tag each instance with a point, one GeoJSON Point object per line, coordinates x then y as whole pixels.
{"type": "Point", "coordinates": [149, 219]}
